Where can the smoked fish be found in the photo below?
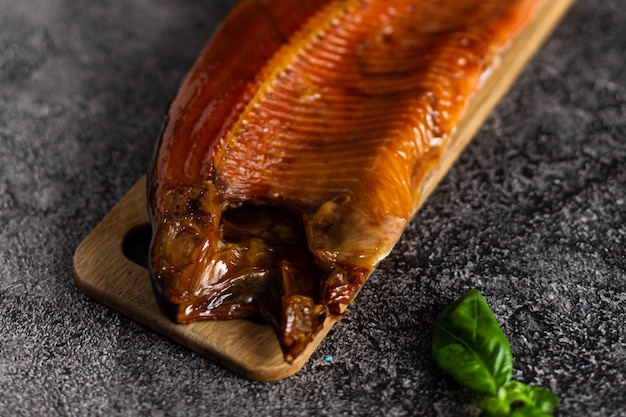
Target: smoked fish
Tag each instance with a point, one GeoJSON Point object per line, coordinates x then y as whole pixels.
{"type": "Point", "coordinates": [295, 151]}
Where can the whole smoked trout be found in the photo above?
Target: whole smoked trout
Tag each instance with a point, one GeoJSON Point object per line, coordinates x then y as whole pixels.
{"type": "Point", "coordinates": [295, 152]}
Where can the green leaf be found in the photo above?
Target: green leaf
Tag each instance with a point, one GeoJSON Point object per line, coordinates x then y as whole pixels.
{"type": "Point", "coordinates": [543, 398]}
{"type": "Point", "coordinates": [494, 406]}
{"type": "Point", "coordinates": [516, 399]}
{"type": "Point", "coordinates": [535, 399]}
{"type": "Point", "coordinates": [469, 344]}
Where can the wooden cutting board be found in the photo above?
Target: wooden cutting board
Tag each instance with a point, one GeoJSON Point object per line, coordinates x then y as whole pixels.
{"type": "Point", "coordinates": [107, 262]}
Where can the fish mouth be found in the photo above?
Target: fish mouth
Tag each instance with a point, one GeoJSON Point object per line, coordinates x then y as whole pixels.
{"type": "Point", "coordinates": [261, 260]}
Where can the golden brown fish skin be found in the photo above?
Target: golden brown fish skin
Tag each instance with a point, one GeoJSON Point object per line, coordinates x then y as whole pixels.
{"type": "Point", "coordinates": [295, 151]}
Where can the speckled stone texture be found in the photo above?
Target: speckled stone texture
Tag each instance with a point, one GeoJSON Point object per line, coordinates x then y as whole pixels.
{"type": "Point", "coordinates": [533, 214]}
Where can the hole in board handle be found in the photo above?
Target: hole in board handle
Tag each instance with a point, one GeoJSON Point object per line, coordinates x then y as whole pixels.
{"type": "Point", "coordinates": [136, 244]}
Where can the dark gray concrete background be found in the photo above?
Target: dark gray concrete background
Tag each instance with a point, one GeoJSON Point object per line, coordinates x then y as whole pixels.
{"type": "Point", "coordinates": [533, 214]}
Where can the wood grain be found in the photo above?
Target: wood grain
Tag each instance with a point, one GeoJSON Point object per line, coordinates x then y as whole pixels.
{"type": "Point", "coordinates": [103, 272]}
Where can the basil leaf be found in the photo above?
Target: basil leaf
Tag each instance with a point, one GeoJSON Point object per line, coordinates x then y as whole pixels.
{"type": "Point", "coordinates": [516, 399]}
{"type": "Point", "coordinates": [469, 344]}
{"type": "Point", "coordinates": [538, 398]}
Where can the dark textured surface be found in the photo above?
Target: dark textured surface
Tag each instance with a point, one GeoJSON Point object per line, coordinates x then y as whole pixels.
{"type": "Point", "coordinates": [533, 214]}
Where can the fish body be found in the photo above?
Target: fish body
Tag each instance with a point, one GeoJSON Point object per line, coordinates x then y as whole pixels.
{"type": "Point", "coordinates": [295, 152]}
